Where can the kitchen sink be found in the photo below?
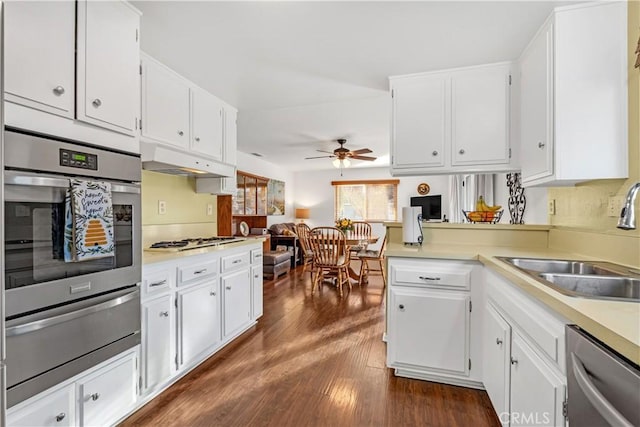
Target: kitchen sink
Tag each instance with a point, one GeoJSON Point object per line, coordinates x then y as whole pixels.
{"type": "Point", "coordinates": [586, 279]}
{"type": "Point", "coordinates": [561, 266]}
{"type": "Point", "coordinates": [627, 288]}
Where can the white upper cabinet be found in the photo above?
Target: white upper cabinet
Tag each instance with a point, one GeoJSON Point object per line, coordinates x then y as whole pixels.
{"type": "Point", "coordinates": [480, 116]}
{"type": "Point", "coordinates": [574, 99]}
{"type": "Point", "coordinates": [452, 121]}
{"type": "Point", "coordinates": [176, 112]}
{"type": "Point", "coordinates": [536, 96]}
{"type": "Point", "coordinates": [39, 55]}
{"type": "Point", "coordinates": [108, 63]}
{"type": "Point", "coordinates": [420, 124]}
{"type": "Point", "coordinates": [165, 104]}
{"type": "Point", "coordinates": [207, 123]}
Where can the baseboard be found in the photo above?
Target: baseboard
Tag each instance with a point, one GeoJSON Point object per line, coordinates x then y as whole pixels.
{"type": "Point", "coordinates": [406, 373]}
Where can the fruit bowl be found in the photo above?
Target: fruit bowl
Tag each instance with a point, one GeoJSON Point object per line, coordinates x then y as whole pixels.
{"type": "Point", "coordinates": [492, 217]}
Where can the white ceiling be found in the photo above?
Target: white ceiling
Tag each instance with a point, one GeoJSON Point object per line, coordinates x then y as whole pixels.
{"type": "Point", "coordinates": [305, 72]}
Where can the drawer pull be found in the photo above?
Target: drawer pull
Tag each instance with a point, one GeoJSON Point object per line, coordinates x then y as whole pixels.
{"type": "Point", "coordinates": [164, 314]}
{"type": "Point", "coordinates": [257, 256]}
{"type": "Point", "coordinates": [58, 90]}
{"type": "Point", "coordinates": [204, 270]}
{"type": "Point", "coordinates": [228, 288]}
{"type": "Point", "coordinates": [256, 276]}
{"type": "Point", "coordinates": [212, 293]}
{"type": "Point", "coordinates": [428, 278]}
{"type": "Point", "coordinates": [61, 416]}
{"type": "Point", "coordinates": [401, 307]}
{"type": "Point", "coordinates": [498, 341]}
{"type": "Point", "coordinates": [514, 361]}
{"type": "Point", "coordinates": [236, 261]}
{"type": "Point", "coordinates": [160, 283]}
{"type": "Point", "coordinates": [95, 396]}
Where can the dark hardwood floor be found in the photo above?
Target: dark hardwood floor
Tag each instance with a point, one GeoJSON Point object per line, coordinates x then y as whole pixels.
{"type": "Point", "coordinates": [312, 361]}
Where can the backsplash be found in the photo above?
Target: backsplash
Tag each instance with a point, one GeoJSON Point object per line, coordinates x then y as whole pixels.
{"type": "Point", "coordinates": [183, 204]}
{"type": "Point", "coordinates": [585, 205]}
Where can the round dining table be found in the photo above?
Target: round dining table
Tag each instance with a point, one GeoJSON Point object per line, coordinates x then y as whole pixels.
{"type": "Point", "coordinates": [356, 240]}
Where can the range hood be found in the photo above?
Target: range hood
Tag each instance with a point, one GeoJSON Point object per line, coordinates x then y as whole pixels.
{"type": "Point", "coordinates": [161, 158]}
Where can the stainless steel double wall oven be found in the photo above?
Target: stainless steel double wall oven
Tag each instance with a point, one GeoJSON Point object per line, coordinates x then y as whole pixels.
{"type": "Point", "coordinates": [64, 317]}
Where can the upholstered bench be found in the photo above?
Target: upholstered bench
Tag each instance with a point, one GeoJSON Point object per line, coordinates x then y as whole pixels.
{"type": "Point", "coordinates": [275, 263]}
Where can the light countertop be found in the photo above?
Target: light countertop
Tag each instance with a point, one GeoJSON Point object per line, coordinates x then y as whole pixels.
{"type": "Point", "coordinates": [151, 257]}
{"type": "Point", "coordinates": [616, 323]}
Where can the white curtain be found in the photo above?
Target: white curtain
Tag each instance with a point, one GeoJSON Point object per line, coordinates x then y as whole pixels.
{"type": "Point", "coordinates": [464, 191]}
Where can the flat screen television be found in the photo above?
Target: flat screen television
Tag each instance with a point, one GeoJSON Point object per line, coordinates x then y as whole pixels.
{"type": "Point", "coordinates": [431, 207]}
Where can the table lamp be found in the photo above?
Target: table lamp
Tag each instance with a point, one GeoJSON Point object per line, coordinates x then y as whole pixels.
{"type": "Point", "coordinates": [302, 214]}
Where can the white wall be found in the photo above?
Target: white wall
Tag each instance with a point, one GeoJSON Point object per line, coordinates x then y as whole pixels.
{"type": "Point", "coordinates": [314, 190]}
{"type": "Point", "coordinates": [257, 166]}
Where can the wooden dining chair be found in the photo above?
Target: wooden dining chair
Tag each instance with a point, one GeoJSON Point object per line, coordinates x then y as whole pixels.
{"type": "Point", "coordinates": [360, 229]}
{"type": "Point", "coordinates": [330, 256]}
{"type": "Point", "coordinates": [303, 230]}
{"type": "Point", "coordinates": [366, 257]}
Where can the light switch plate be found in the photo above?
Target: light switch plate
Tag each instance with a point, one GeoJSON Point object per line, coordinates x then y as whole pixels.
{"type": "Point", "coordinates": [209, 209]}
{"type": "Point", "coordinates": [551, 208]}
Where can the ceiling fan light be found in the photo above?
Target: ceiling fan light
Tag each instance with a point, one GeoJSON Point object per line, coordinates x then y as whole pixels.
{"type": "Point", "coordinates": [346, 163]}
{"type": "Point", "coordinates": [336, 163]}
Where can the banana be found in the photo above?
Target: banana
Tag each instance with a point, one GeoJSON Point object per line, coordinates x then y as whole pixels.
{"type": "Point", "coordinates": [481, 206]}
{"type": "Point", "coordinates": [494, 208]}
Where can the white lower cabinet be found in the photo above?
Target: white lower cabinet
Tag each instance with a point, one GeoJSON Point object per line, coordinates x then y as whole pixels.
{"type": "Point", "coordinates": [158, 347]}
{"type": "Point", "coordinates": [108, 394]}
{"type": "Point", "coordinates": [198, 321]}
{"type": "Point", "coordinates": [56, 408]}
{"type": "Point", "coordinates": [429, 320]}
{"type": "Point", "coordinates": [429, 329]}
{"type": "Point", "coordinates": [99, 396]}
{"type": "Point", "coordinates": [236, 288]}
{"type": "Point", "coordinates": [496, 366]}
{"type": "Point", "coordinates": [530, 376]}
{"type": "Point", "coordinates": [256, 283]}
{"type": "Point", "coordinates": [523, 358]}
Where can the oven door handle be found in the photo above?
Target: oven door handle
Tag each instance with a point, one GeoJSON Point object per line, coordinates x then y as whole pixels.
{"type": "Point", "coordinates": [37, 180]}
{"type": "Point", "coordinates": [50, 321]}
{"type": "Point", "coordinates": [599, 402]}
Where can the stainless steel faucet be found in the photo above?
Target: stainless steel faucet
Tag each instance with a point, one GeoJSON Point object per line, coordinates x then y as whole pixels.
{"type": "Point", "coordinates": [627, 219]}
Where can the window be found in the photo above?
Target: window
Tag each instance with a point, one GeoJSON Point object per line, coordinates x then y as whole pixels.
{"type": "Point", "coordinates": [372, 201]}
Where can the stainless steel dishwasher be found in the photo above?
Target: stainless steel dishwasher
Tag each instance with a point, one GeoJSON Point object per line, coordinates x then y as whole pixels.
{"type": "Point", "coordinates": [603, 386]}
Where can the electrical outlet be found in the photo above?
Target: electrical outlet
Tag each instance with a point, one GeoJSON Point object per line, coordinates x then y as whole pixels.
{"type": "Point", "coordinates": [209, 209]}
{"type": "Point", "coordinates": [551, 208]}
{"type": "Point", "coordinates": [615, 206]}
{"type": "Point", "coordinates": [162, 207]}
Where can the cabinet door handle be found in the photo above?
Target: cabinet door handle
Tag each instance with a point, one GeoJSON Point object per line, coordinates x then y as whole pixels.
{"type": "Point", "coordinates": [160, 283]}
{"type": "Point", "coordinates": [197, 139]}
{"type": "Point", "coordinates": [180, 133]}
{"type": "Point", "coordinates": [498, 341]}
{"type": "Point", "coordinates": [212, 293]}
{"type": "Point", "coordinates": [256, 276]}
{"type": "Point", "coordinates": [95, 396]}
{"type": "Point", "coordinates": [401, 307]}
{"type": "Point", "coordinates": [541, 144]}
{"type": "Point", "coordinates": [428, 278]}
{"type": "Point", "coordinates": [514, 361]}
{"type": "Point", "coordinates": [461, 151]}
{"type": "Point", "coordinates": [96, 102]}
{"type": "Point", "coordinates": [164, 314]}
{"type": "Point", "coordinates": [204, 270]}
{"type": "Point", "coordinates": [58, 90]}
{"type": "Point", "coordinates": [228, 288]}
{"type": "Point", "coordinates": [61, 416]}
{"type": "Point", "coordinates": [434, 153]}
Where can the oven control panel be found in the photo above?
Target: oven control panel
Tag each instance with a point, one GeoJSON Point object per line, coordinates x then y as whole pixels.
{"type": "Point", "coordinates": [77, 159]}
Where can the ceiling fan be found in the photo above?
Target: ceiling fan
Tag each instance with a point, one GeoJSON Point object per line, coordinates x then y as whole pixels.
{"type": "Point", "coordinates": [342, 155]}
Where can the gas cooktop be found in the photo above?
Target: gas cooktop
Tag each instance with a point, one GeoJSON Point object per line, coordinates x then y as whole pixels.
{"type": "Point", "coordinates": [195, 243]}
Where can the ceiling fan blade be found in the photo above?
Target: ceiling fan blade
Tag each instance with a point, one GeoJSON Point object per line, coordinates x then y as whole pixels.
{"type": "Point", "coordinates": [362, 151]}
{"type": "Point", "coordinates": [318, 157]}
{"type": "Point", "coordinates": [364, 158]}
{"type": "Point", "coordinates": [322, 151]}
